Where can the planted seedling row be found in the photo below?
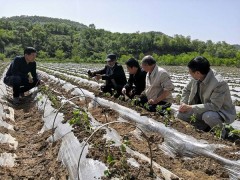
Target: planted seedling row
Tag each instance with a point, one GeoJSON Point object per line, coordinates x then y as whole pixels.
{"type": "Point", "coordinates": [98, 118]}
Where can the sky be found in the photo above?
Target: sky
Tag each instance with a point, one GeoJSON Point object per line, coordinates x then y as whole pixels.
{"type": "Point", "coordinates": [216, 20]}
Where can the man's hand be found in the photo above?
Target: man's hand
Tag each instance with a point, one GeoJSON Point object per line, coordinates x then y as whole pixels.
{"type": "Point", "coordinates": [184, 108]}
{"type": "Point", "coordinates": [98, 76]}
{"type": "Point", "coordinates": [124, 90]}
{"type": "Point", "coordinates": [151, 101]}
{"type": "Point", "coordinates": [30, 80]}
{"type": "Point", "coordinates": [90, 73]}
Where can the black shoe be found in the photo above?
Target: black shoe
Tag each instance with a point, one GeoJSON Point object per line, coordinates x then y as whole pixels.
{"type": "Point", "coordinates": [116, 95]}
{"type": "Point", "coordinates": [16, 101]}
{"type": "Point", "coordinates": [203, 127]}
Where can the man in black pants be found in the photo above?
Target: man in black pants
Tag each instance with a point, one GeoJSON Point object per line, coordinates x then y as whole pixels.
{"type": "Point", "coordinates": [136, 80]}
{"type": "Point", "coordinates": [113, 74]}
{"type": "Point", "coordinates": [21, 75]}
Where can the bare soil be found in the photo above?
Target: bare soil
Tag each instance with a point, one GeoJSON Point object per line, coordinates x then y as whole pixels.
{"type": "Point", "coordinates": [36, 157]}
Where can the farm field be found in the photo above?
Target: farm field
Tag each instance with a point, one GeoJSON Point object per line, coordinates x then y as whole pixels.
{"type": "Point", "coordinates": [84, 134]}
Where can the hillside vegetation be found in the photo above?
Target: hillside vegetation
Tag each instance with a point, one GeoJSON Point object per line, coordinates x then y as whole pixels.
{"type": "Point", "coordinates": [65, 40]}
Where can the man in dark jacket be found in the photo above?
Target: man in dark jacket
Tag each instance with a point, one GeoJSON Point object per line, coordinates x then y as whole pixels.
{"type": "Point", "coordinates": [113, 74]}
{"type": "Point", "coordinates": [21, 75]}
{"type": "Point", "coordinates": [136, 80]}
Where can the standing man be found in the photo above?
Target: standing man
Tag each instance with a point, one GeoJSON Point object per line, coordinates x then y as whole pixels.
{"type": "Point", "coordinates": [159, 86]}
{"type": "Point", "coordinates": [21, 75]}
{"type": "Point", "coordinates": [113, 74]}
{"type": "Point", "coordinates": [136, 80]}
{"type": "Point", "coordinates": [207, 96]}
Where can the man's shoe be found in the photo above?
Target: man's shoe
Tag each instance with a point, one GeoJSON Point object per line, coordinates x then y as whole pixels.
{"type": "Point", "coordinates": [16, 101]}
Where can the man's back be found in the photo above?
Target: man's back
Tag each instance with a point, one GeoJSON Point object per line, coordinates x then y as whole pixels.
{"type": "Point", "coordinates": [19, 67]}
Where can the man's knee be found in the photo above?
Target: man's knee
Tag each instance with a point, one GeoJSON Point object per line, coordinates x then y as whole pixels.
{"type": "Point", "coordinates": [212, 118]}
{"type": "Point", "coordinates": [12, 81]}
{"type": "Point", "coordinates": [207, 116]}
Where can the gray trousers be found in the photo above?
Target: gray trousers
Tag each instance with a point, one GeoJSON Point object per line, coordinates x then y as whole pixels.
{"type": "Point", "coordinates": [209, 118]}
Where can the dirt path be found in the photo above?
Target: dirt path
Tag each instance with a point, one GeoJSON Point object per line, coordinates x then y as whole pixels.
{"type": "Point", "coordinates": [36, 157]}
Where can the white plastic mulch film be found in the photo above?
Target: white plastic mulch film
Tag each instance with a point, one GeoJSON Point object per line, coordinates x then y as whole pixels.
{"type": "Point", "coordinates": [174, 141]}
{"type": "Point", "coordinates": [6, 159]}
{"type": "Point", "coordinates": [70, 149]}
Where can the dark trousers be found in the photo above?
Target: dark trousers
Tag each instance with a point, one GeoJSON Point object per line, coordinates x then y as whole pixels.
{"type": "Point", "coordinates": [131, 92]}
{"type": "Point", "coordinates": [19, 85]}
{"type": "Point", "coordinates": [110, 89]}
{"type": "Point", "coordinates": [152, 107]}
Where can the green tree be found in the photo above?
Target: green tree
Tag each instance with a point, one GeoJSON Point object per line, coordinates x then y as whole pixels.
{"type": "Point", "coordinates": [59, 54]}
{"type": "Point", "coordinates": [42, 55]}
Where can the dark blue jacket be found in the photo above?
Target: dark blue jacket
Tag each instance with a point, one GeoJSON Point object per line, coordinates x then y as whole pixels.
{"type": "Point", "coordinates": [115, 73]}
{"type": "Point", "coordinates": [137, 80]}
{"type": "Point", "coordinates": [19, 67]}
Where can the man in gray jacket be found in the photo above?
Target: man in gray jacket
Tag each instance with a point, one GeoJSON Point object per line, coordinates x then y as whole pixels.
{"type": "Point", "coordinates": [207, 96]}
{"type": "Point", "coordinates": [159, 86]}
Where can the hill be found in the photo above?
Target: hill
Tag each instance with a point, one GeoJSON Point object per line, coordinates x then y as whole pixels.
{"type": "Point", "coordinates": [43, 20]}
{"type": "Point", "coordinates": [237, 46]}
{"type": "Point", "coordinates": [63, 39]}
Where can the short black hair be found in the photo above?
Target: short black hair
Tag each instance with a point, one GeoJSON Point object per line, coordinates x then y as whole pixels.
{"type": "Point", "coordinates": [29, 50]}
{"type": "Point", "coordinates": [200, 64]}
{"type": "Point", "coordinates": [132, 63]}
{"type": "Point", "coordinates": [148, 60]}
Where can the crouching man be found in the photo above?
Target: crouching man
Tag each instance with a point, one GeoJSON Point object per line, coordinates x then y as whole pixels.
{"type": "Point", "coordinates": [113, 74]}
{"type": "Point", "coordinates": [207, 96]}
{"type": "Point", "coordinates": [136, 80]}
{"type": "Point", "coordinates": [159, 87]}
{"type": "Point", "coordinates": [21, 75]}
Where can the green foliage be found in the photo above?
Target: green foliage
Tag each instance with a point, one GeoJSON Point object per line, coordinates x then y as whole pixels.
{"type": "Point", "coordinates": [59, 39]}
{"type": "Point", "coordinates": [59, 54]}
{"type": "Point", "coordinates": [110, 159]}
{"type": "Point", "coordinates": [134, 101]}
{"type": "Point", "coordinates": [76, 118]}
{"type": "Point", "coordinates": [107, 94]}
{"type": "Point", "coordinates": [80, 118]}
{"type": "Point", "coordinates": [40, 99]}
{"type": "Point", "coordinates": [238, 115]}
{"type": "Point", "coordinates": [235, 132]}
{"type": "Point", "coordinates": [158, 108]}
{"type": "Point", "coordinates": [232, 131]}
{"type": "Point", "coordinates": [124, 58]}
{"type": "Point", "coordinates": [167, 116]}
{"type": "Point", "coordinates": [107, 173]}
{"type": "Point", "coordinates": [13, 50]}
{"type": "Point", "coordinates": [42, 55]}
{"type": "Point", "coordinates": [53, 98]}
{"type": "Point", "coordinates": [121, 98]}
{"type": "Point", "coordinates": [2, 56]}
{"type": "Point", "coordinates": [218, 130]}
{"type": "Point", "coordinates": [193, 118]}
{"type": "Point", "coordinates": [146, 106]}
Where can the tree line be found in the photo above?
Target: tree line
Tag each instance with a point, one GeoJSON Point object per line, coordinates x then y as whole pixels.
{"type": "Point", "coordinates": [64, 40]}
